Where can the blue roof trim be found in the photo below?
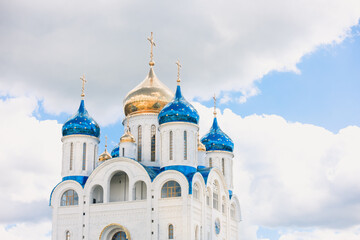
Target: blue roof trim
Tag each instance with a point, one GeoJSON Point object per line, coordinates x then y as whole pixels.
{"type": "Point", "coordinates": [152, 171]}
{"type": "Point", "coordinates": [81, 123]}
{"type": "Point", "coordinates": [187, 171]}
{"type": "Point", "coordinates": [201, 167]}
{"type": "Point", "coordinates": [80, 179]}
{"type": "Point", "coordinates": [230, 194]}
{"type": "Point", "coordinates": [178, 110]}
{"type": "Point", "coordinates": [217, 140]}
{"type": "Point", "coordinates": [205, 173]}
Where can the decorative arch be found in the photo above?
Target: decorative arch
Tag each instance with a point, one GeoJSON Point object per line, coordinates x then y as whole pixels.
{"type": "Point", "coordinates": [119, 187]}
{"type": "Point", "coordinates": [110, 230]}
{"type": "Point", "coordinates": [97, 194]}
{"type": "Point", "coordinates": [139, 190]}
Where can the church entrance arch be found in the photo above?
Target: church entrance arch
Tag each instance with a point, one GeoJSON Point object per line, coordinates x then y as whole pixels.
{"type": "Point", "coordinates": [115, 231]}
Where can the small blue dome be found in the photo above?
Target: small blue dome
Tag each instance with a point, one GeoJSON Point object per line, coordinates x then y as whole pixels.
{"type": "Point", "coordinates": [115, 152]}
{"type": "Point", "coordinates": [217, 140]}
{"type": "Point", "coordinates": [81, 123]}
{"type": "Point", "coordinates": [178, 110]}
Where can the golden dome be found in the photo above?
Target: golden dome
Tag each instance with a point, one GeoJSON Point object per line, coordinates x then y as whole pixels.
{"type": "Point", "coordinates": [127, 137]}
{"type": "Point", "coordinates": [150, 96]}
{"type": "Point", "coordinates": [104, 156]}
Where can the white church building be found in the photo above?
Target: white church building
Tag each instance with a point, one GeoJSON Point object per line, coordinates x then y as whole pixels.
{"type": "Point", "coordinates": [160, 182]}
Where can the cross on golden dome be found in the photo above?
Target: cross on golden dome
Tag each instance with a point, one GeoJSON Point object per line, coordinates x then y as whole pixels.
{"type": "Point", "coordinates": [152, 44]}
{"type": "Point", "coordinates": [82, 78]}
{"type": "Point", "coordinates": [178, 76]}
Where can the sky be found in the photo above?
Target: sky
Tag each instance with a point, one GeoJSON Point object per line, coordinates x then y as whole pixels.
{"type": "Point", "coordinates": [286, 74]}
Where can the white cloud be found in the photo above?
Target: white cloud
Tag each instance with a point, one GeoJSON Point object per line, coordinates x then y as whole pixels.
{"type": "Point", "coordinates": [46, 45]}
{"type": "Point", "coordinates": [29, 231]}
{"type": "Point", "coordinates": [30, 161]}
{"type": "Point", "coordinates": [290, 174]}
{"type": "Point", "coordinates": [329, 234]}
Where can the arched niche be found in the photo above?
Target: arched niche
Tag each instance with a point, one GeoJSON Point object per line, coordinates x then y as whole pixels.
{"type": "Point", "coordinates": [119, 187]}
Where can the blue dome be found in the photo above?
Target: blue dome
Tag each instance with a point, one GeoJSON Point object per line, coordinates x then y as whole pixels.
{"type": "Point", "coordinates": [217, 140]}
{"type": "Point", "coordinates": [178, 110]}
{"type": "Point", "coordinates": [81, 123]}
{"type": "Point", "coordinates": [115, 152]}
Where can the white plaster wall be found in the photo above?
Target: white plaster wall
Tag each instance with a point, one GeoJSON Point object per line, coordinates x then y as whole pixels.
{"type": "Point", "coordinates": [91, 155]}
{"type": "Point", "coordinates": [129, 150]}
{"type": "Point", "coordinates": [178, 129]}
{"type": "Point", "coordinates": [217, 157]}
{"type": "Point", "coordinates": [146, 120]}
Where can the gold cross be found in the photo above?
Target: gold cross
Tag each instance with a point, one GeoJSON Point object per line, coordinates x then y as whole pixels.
{"type": "Point", "coordinates": [214, 104]}
{"type": "Point", "coordinates": [178, 76]}
{"type": "Point", "coordinates": [152, 43]}
{"type": "Point", "coordinates": [83, 85]}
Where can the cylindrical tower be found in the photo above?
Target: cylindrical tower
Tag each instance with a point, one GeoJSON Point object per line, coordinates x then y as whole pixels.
{"type": "Point", "coordinates": [80, 144]}
{"type": "Point", "coordinates": [178, 122]}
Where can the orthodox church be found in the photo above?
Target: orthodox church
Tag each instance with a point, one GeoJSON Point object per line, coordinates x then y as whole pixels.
{"type": "Point", "coordinates": [160, 182]}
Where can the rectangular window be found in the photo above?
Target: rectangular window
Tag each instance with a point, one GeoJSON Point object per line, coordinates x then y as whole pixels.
{"type": "Point", "coordinates": [71, 155]}
{"type": "Point", "coordinates": [153, 142]}
{"type": "Point", "coordinates": [223, 166]}
{"type": "Point", "coordinates": [123, 152]}
{"type": "Point", "coordinates": [171, 145]}
{"type": "Point", "coordinates": [139, 144]}
{"type": "Point", "coordinates": [215, 201]}
{"type": "Point", "coordinates": [185, 145]}
{"type": "Point", "coordinates": [84, 157]}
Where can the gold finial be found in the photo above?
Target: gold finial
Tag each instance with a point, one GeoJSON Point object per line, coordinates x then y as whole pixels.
{"type": "Point", "coordinates": [214, 105]}
{"type": "Point", "coordinates": [83, 85]}
{"type": "Point", "coordinates": [152, 43]}
{"type": "Point", "coordinates": [105, 141]}
{"type": "Point", "coordinates": [179, 66]}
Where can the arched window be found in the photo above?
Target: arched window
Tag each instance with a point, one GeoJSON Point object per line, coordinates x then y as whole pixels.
{"type": "Point", "coordinates": [97, 194]}
{"type": "Point", "coordinates": [223, 166]}
{"type": "Point", "coordinates": [119, 236]}
{"type": "Point", "coordinates": [171, 231]}
{"type": "Point", "coordinates": [232, 211]}
{"type": "Point", "coordinates": [71, 155]}
{"type": "Point", "coordinates": [196, 191]}
{"type": "Point", "coordinates": [69, 198]}
{"type": "Point", "coordinates": [185, 145]}
{"type": "Point", "coordinates": [94, 157]}
{"type": "Point", "coordinates": [139, 143]}
{"type": "Point", "coordinates": [84, 156]}
{"type": "Point", "coordinates": [171, 189]}
{"type": "Point", "coordinates": [210, 162]}
{"type": "Point", "coordinates": [197, 233]}
{"type": "Point", "coordinates": [208, 197]}
{"type": "Point", "coordinates": [67, 235]}
{"type": "Point", "coordinates": [153, 142]}
{"type": "Point", "coordinates": [216, 196]}
{"type": "Point", "coordinates": [171, 145]}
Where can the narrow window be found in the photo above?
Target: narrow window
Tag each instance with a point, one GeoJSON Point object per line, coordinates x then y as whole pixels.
{"type": "Point", "coordinates": [232, 211]}
{"type": "Point", "coordinates": [71, 155]}
{"type": "Point", "coordinates": [153, 135]}
{"type": "Point", "coordinates": [223, 166]}
{"type": "Point", "coordinates": [185, 145]}
{"type": "Point", "coordinates": [139, 143]}
{"type": "Point", "coordinates": [84, 156]}
{"type": "Point", "coordinates": [215, 201]}
{"type": "Point", "coordinates": [67, 235]}
{"type": "Point", "coordinates": [171, 145]}
{"type": "Point", "coordinates": [210, 162]}
{"type": "Point", "coordinates": [94, 156]}
{"type": "Point", "coordinates": [196, 192]}
{"type": "Point", "coordinates": [123, 152]}
{"type": "Point", "coordinates": [171, 231]}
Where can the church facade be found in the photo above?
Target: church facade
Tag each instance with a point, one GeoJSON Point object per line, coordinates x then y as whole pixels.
{"type": "Point", "coordinates": [160, 182]}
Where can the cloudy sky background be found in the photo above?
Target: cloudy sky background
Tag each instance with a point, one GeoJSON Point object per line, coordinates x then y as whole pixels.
{"type": "Point", "coordinates": [286, 73]}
